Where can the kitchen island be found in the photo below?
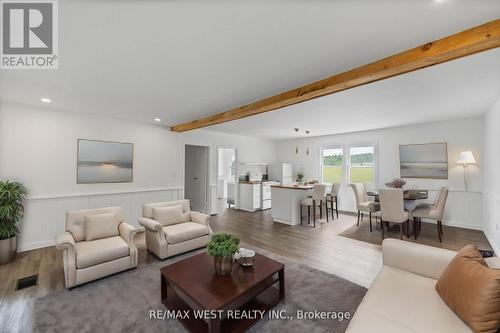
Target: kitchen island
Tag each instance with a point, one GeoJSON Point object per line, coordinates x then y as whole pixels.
{"type": "Point", "coordinates": [286, 200]}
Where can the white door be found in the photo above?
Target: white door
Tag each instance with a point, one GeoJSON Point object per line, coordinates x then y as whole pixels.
{"type": "Point", "coordinates": [195, 177]}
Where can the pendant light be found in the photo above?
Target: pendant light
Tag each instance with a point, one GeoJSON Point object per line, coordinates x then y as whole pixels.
{"type": "Point", "coordinates": [307, 151]}
{"type": "Point", "coordinates": [296, 142]}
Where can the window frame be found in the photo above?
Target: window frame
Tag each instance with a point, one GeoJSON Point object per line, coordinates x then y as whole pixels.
{"type": "Point", "coordinates": [321, 149]}
{"type": "Point", "coordinates": [375, 161]}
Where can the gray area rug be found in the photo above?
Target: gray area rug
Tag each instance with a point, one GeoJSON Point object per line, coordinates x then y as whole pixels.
{"type": "Point", "coordinates": [121, 303]}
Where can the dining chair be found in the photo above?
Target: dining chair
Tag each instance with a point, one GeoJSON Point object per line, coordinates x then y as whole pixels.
{"type": "Point", "coordinates": [318, 195]}
{"type": "Point", "coordinates": [368, 187]}
{"type": "Point", "coordinates": [362, 202]}
{"type": "Point", "coordinates": [332, 198]}
{"type": "Point", "coordinates": [434, 212]}
{"type": "Point", "coordinates": [392, 209]}
{"type": "Point", "coordinates": [431, 204]}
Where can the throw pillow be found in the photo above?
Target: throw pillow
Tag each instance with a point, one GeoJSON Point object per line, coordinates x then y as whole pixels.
{"type": "Point", "coordinates": [472, 290]}
{"type": "Point", "coordinates": [101, 226]}
{"type": "Point", "coordinates": [169, 215]}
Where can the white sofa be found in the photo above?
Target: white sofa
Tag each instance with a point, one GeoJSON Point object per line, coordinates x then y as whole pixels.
{"type": "Point", "coordinates": [403, 297]}
{"type": "Point", "coordinates": [87, 254]}
{"type": "Point", "coordinates": [173, 235]}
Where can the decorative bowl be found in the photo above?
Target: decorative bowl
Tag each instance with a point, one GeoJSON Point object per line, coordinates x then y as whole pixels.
{"type": "Point", "coordinates": [396, 183]}
{"type": "Point", "coordinates": [245, 257]}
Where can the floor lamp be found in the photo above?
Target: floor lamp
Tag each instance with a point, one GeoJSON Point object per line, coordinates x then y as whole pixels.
{"type": "Point", "coordinates": [465, 158]}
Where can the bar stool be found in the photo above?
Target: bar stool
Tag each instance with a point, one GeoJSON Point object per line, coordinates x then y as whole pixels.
{"type": "Point", "coordinates": [318, 195]}
{"type": "Point", "coordinates": [331, 198]}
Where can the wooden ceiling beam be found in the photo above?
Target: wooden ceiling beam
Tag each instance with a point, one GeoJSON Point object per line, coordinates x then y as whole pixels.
{"type": "Point", "coordinates": [467, 42]}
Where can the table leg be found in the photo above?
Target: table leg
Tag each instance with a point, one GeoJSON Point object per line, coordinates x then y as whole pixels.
{"type": "Point", "coordinates": [281, 277]}
{"type": "Point", "coordinates": [214, 325]}
{"type": "Point", "coordinates": [415, 227]}
{"type": "Point", "coordinates": [164, 287]}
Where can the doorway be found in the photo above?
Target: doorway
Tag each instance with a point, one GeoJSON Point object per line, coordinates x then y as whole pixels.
{"type": "Point", "coordinates": [226, 177]}
{"type": "Point", "coordinates": [196, 177]}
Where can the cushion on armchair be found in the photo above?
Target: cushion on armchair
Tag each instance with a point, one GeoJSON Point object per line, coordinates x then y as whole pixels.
{"type": "Point", "coordinates": [90, 253]}
{"type": "Point", "coordinates": [184, 231]}
{"type": "Point", "coordinates": [99, 226]}
{"type": "Point", "coordinates": [169, 215]}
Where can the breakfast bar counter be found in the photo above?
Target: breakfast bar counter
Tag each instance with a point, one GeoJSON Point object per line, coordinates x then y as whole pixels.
{"type": "Point", "coordinates": [286, 200]}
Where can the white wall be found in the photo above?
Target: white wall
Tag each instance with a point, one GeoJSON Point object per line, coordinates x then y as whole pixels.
{"type": "Point", "coordinates": [491, 226]}
{"type": "Point", "coordinates": [463, 208]}
{"type": "Point", "coordinates": [38, 147]}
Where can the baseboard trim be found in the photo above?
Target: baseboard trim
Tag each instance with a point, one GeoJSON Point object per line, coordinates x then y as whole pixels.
{"type": "Point", "coordinates": [492, 243]}
{"type": "Point", "coordinates": [461, 225]}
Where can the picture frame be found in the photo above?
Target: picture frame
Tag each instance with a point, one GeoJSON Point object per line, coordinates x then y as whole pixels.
{"type": "Point", "coordinates": [101, 161]}
{"type": "Point", "coordinates": [424, 160]}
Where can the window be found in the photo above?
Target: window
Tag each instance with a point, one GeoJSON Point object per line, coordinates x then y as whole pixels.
{"type": "Point", "coordinates": [332, 161]}
{"type": "Point", "coordinates": [362, 164]}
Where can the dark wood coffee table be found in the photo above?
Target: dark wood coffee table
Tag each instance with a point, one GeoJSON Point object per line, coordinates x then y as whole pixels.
{"type": "Point", "coordinates": [191, 285]}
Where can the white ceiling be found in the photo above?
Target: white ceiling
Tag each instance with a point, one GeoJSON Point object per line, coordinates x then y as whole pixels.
{"type": "Point", "coordinates": [181, 60]}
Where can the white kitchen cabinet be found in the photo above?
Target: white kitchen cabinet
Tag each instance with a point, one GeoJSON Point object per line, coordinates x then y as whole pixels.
{"type": "Point", "coordinates": [250, 197]}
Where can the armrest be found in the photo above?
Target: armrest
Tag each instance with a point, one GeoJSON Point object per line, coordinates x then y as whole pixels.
{"type": "Point", "coordinates": [493, 262]}
{"type": "Point", "coordinates": [65, 240]}
{"type": "Point", "coordinates": [200, 218]}
{"type": "Point", "coordinates": [150, 224]}
{"type": "Point", "coordinates": [416, 258]}
{"type": "Point", "coordinates": [127, 232]}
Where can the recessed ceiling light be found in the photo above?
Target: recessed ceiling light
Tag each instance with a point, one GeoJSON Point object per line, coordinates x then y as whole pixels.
{"type": "Point", "coordinates": [157, 119]}
{"type": "Point", "coordinates": [45, 100]}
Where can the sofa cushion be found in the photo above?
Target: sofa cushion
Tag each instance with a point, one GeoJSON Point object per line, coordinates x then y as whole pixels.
{"type": "Point", "coordinates": [101, 226]}
{"type": "Point", "coordinates": [399, 299]}
{"type": "Point", "coordinates": [367, 321]}
{"type": "Point", "coordinates": [90, 253]}
{"type": "Point", "coordinates": [178, 233]}
{"type": "Point", "coordinates": [472, 290]}
{"type": "Point", "coordinates": [169, 215]}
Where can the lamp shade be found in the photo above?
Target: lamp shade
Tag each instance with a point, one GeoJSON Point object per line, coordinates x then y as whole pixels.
{"type": "Point", "coordinates": [466, 157]}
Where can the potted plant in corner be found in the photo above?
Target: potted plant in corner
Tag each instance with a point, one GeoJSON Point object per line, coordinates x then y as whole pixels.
{"type": "Point", "coordinates": [222, 247]}
{"type": "Point", "coordinates": [12, 195]}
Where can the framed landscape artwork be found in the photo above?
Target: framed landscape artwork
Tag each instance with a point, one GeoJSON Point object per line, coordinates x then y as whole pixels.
{"type": "Point", "coordinates": [429, 160]}
{"type": "Point", "coordinates": [104, 162]}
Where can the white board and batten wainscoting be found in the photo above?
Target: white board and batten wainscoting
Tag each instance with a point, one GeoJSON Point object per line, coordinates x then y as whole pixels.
{"type": "Point", "coordinates": [45, 215]}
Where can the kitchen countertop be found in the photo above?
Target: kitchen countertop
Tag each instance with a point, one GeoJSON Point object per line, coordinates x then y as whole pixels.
{"type": "Point", "coordinates": [256, 182]}
{"type": "Point", "coordinates": [294, 187]}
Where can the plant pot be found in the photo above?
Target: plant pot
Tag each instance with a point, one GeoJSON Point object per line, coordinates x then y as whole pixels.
{"type": "Point", "coordinates": [223, 265]}
{"type": "Point", "coordinates": [8, 250]}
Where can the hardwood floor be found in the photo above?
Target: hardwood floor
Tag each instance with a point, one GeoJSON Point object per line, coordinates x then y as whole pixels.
{"type": "Point", "coordinates": [319, 247]}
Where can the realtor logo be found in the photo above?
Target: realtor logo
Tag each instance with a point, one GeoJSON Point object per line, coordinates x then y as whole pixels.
{"type": "Point", "coordinates": [29, 34]}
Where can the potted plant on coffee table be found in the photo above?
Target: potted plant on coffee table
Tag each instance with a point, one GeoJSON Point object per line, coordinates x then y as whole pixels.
{"type": "Point", "coordinates": [12, 195]}
{"type": "Point", "coordinates": [222, 247]}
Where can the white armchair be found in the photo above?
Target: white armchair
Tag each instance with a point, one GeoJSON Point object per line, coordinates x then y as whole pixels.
{"type": "Point", "coordinates": [172, 228]}
{"type": "Point", "coordinates": [96, 243]}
